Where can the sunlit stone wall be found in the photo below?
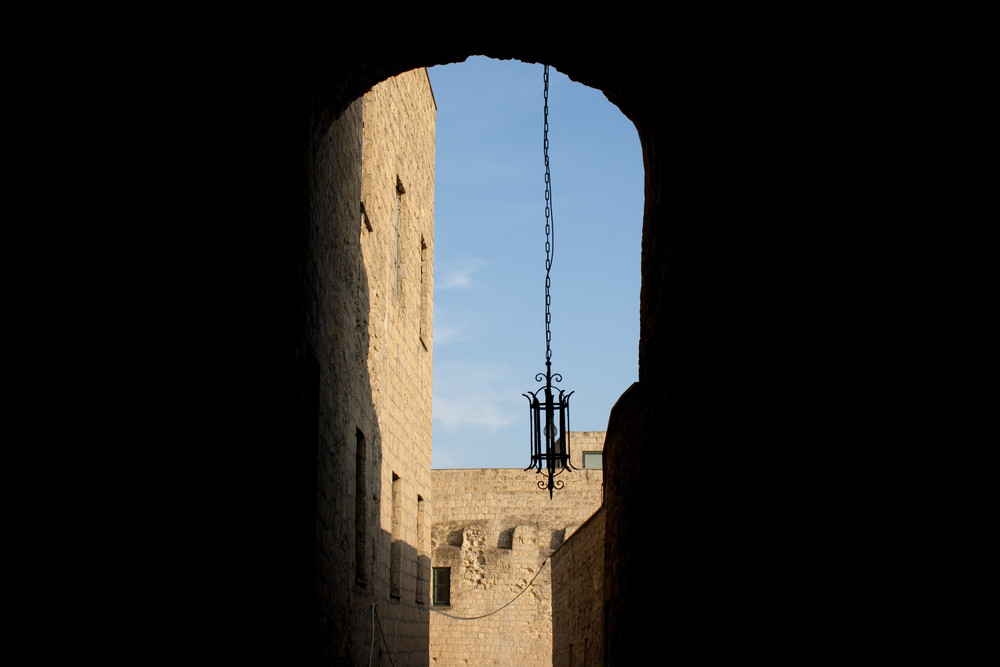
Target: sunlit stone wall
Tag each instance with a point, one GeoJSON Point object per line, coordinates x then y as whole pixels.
{"type": "Point", "coordinates": [494, 530]}
{"type": "Point", "coordinates": [369, 313]}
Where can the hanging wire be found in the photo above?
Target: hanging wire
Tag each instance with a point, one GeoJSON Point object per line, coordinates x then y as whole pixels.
{"type": "Point", "coordinates": [520, 593]}
{"type": "Point", "coordinates": [371, 653]}
{"type": "Point", "coordinates": [376, 621]}
{"type": "Point", "coordinates": [550, 227]}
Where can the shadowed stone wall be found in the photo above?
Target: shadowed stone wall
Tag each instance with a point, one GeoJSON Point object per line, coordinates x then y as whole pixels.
{"type": "Point", "coordinates": [578, 596]}
{"type": "Point", "coordinates": [370, 280]}
{"type": "Point", "coordinates": [741, 435]}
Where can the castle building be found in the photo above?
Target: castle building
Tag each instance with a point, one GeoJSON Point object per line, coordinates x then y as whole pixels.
{"type": "Point", "coordinates": [394, 540]}
{"type": "Point", "coordinates": [492, 540]}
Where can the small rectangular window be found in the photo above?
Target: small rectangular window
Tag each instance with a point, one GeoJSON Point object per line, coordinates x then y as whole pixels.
{"type": "Point", "coordinates": [593, 460]}
{"type": "Point", "coordinates": [400, 191]}
{"type": "Point", "coordinates": [425, 295]}
{"type": "Point", "coordinates": [442, 586]}
{"type": "Point", "coordinates": [422, 560]}
{"type": "Point", "coordinates": [396, 544]}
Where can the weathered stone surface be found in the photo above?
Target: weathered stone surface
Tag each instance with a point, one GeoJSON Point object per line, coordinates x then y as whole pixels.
{"type": "Point", "coordinates": [508, 528]}
{"type": "Point", "coordinates": [369, 314]}
{"type": "Point", "coordinates": [578, 596]}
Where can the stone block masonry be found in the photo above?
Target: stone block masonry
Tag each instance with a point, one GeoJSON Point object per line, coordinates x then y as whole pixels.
{"type": "Point", "coordinates": [384, 518]}
{"type": "Point", "coordinates": [493, 531]}
{"type": "Point", "coordinates": [368, 312]}
{"type": "Point", "coordinates": [578, 597]}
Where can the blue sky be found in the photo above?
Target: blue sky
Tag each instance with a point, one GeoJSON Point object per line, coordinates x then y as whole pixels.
{"type": "Point", "coordinates": [489, 256]}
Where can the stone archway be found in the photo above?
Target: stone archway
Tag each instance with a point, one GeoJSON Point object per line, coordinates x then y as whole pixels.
{"type": "Point", "coordinates": [691, 510]}
{"type": "Point", "coordinates": [632, 442]}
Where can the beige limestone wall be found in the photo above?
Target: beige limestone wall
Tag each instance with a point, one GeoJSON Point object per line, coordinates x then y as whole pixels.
{"type": "Point", "coordinates": [584, 441]}
{"type": "Point", "coordinates": [494, 529]}
{"type": "Point", "coordinates": [369, 321]}
{"type": "Point", "coordinates": [397, 240]}
{"type": "Point", "coordinates": [578, 596]}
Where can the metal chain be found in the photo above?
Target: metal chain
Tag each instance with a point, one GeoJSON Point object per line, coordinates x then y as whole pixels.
{"type": "Point", "coordinates": [549, 222]}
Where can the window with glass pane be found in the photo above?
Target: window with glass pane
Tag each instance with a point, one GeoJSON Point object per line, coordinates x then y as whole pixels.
{"type": "Point", "coordinates": [442, 586]}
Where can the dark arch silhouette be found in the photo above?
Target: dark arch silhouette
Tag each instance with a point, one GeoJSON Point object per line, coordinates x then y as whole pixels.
{"type": "Point", "coordinates": [715, 492]}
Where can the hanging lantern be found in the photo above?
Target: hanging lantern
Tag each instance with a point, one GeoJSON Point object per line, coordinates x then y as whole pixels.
{"type": "Point", "coordinates": [548, 416]}
{"type": "Point", "coordinates": [548, 406]}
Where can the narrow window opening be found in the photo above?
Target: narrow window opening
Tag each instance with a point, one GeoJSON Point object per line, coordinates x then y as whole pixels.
{"type": "Point", "coordinates": [400, 191]}
{"type": "Point", "coordinates": [506, 539]}
{"type": "Point", "coordinates": [395, 555]}
{"type": "Point", "coordinates": [423, 562]}
{"type": "Point", "coordinates": [442, 586]}
{"type": "Point", "coordinates": [425, 295]}
{"type": "Point", "coordinates": [360, 509]}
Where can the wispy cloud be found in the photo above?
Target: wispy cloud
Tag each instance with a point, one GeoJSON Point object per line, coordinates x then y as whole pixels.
{"type": "Point", "coordinates": [449, 333]}
{"type": "Point", "coordinates": [482, 398]}
{"type": "Point", "coordinates": [476, 409]}
{"type": "Point", "coordinates": [458, 277]}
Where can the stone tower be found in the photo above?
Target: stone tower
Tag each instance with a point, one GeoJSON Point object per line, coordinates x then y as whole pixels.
{"type": "Point", "coordinates": [369, 311]}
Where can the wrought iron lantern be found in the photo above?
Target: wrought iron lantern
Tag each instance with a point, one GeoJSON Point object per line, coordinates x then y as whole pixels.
{"type": "Point", "coordinates": [548, 409]}
{"type": "Point", "coordinates": [548, 406]}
